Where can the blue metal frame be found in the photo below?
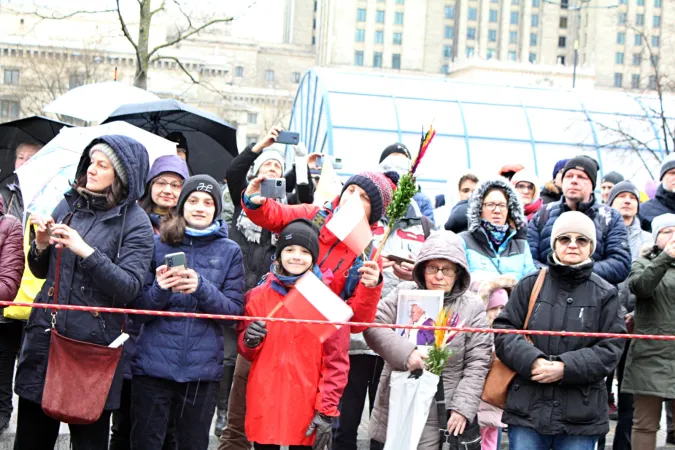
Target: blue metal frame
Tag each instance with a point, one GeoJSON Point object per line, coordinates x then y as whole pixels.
{"type": "Point", "coordinates": [467, 142]}
{"type": "Point", "coordinates": [654, 128]}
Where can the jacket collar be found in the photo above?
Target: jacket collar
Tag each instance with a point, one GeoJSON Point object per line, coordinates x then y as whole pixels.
{"type": "Point", "coordinates": [77, 201]}
{"type": "Point", "coordinates": [588, 208]}
{"type": "Point", "coordinates": [572, 275]}
{"type": "Point", "coordinates": [665, 197]}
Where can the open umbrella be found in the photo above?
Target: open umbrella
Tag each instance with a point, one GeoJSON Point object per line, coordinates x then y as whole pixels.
{"type": "Point", "coordinates": [48, 174]}
{"type": "Point", "coordinates": [34, 129]}
{"type": "Point", "coordinates": [94, 102]}
{"type": "Point", "coordinates": [212, 142]}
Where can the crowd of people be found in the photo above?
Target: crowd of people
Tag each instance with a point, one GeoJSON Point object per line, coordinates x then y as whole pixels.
{"type": "Point", "coordinates": [515, 253]}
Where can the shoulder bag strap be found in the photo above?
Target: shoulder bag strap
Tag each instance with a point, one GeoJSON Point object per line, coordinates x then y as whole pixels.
{"type": "Point", "coordinates": [533, 299]}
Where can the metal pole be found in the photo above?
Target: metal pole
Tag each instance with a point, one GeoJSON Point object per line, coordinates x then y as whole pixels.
{"type": "Point", "coordinates": [576, 58]}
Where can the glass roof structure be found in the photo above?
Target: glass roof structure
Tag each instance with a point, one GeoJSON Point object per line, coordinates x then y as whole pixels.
{"type": "Point", "coordinates": [354, 116]}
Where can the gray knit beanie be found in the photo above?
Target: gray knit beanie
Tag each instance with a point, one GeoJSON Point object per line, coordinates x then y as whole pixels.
{"type": "Point", "coordinates": [667, 165]}
{"type": "Point", "coordinates": [574, 222]}
{"type": "Point", "coordinates": [265, 156]}
{"type": "Point", "coordinates": [661, 222]}
{"type": "Point", "coordinates": [114, 160]}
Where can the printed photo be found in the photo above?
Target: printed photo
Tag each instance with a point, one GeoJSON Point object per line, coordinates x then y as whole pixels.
{"type": "Point", "coordinates": [417, 307]}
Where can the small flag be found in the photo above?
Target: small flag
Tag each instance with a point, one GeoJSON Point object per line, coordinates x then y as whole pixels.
{"type": "Point", "coordinates": [349, 224]}
{"type": "Point", "coordinates": [311, 299]}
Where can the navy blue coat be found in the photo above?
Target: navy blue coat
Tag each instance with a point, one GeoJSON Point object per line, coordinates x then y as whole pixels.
{"type": "Point", "coordinates": [103, 279]}
{"type": "Point", "coordinates": [662, 203]}
{"type": "Point", "coordinates": [187, 349]}
{"type": "Point", "coordinates": [612, 257]}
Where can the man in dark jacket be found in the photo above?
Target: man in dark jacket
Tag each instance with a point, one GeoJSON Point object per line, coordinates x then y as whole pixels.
{"type": "Point", "coordinates": [10, 189]}
{"type": "Point", "coordinates": [552, 190]}
{"type": "Point", "coordinates": [612, 254]}
{"type": "Point", "coordinates": [458, 222]}
{"type": "Point", "coordinates": [664, 201]}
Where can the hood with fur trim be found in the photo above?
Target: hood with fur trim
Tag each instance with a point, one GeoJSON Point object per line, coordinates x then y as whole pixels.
{"type": "Point", "coordinates": [503, 282]}
{"type": "Point", "coordinates": [517, 217]}
{"type": "Point", "coordinates": [449, 246]}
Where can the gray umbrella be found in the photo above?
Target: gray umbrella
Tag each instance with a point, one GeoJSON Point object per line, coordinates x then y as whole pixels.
{"type": "Point", "coordinates": [211, 142]}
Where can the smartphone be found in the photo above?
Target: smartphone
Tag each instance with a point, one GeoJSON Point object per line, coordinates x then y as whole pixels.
{"type": "Point", "coordinates": [319, 162]}
{"type": "Point", "coordinates": [288, 137]}
{"type": "Point", "coordinates": [337, 163]}
{"type": "Point", "coordinates": [175, 260]}
{"type": "Point", "coordinates": [398, 259]}
{"type": "Point", "coordinates": [273, 188]}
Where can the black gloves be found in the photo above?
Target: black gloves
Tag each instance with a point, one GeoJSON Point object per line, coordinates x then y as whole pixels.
{"type": "Point", "coordinates": [324, 431]}
{"type": "Point", "coordinates": [255, 333]}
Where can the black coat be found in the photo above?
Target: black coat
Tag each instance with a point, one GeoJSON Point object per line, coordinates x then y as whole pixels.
{"type": "Point", "coordinates": [103, 279]}
{"type": "Point", "coordinates": [458, 220]}
{"type": "Point", "coordinates": [662, 203]}
{"type": "Point", "coordinates": [571, 299]}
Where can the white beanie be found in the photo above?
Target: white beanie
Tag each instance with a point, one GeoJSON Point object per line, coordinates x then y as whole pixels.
{"type": "Point", "coordinates": [574, 222]}
{"type": "Point", "coordinates": [661, 222]}
{"type": "Point", "coordinates": [527, 176]}
{"type": "Point", "coordinates": [114, 160]}
{"type": "Point", "coordinates": [265, 156]}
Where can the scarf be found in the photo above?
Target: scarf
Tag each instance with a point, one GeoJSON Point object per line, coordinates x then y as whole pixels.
{"type": "Point", "coordinates": [532, 208]}
{"type": "Point", "coordinates": [496, 233]}
{"type": "Point", "coordinates": [212, 229]}
{"type": "Point", "coordinates": [96, 200]}
{"type": "Point", "coordinates": [251, 231]}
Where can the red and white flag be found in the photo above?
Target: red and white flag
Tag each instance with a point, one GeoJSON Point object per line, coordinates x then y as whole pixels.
{"type": "Point", "coordinates": [349, 224]}
{"type": "Point", "coordinates": [311, 299]}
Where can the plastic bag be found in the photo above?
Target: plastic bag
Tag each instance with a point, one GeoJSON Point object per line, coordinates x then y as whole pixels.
{"type": "Point", "coordinates": [409, 402]}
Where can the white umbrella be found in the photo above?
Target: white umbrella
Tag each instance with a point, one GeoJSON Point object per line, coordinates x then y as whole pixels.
{"type": "Point", "coordinates": [47, 175]}
{"type": "Point", "coordinates": [95, 102]}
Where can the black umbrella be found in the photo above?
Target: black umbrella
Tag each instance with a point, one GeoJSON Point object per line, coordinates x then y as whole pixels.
{"type": "Point", "coordinates": [36, 130]}
{"type": "Point", "coordinates": [212, 142]}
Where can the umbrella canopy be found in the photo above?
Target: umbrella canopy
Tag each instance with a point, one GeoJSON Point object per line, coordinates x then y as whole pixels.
{"type": "Point", "coordinates": [34, 129]}
{"type": "Point", "coordinates": [212, 142]}
{"type": "Point", "coordinates": [48, 175]}
{"type": "Point", "coordinates": [94, 102]}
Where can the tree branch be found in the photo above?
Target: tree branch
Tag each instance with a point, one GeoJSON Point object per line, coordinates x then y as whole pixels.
{"type": "Point", "coordinates": [125, 30]}
{"type": "Point", "coordinates": [161, 7]}
{"type": "Point", "coordinates": [180, 65]}
{"type": "Point", "coordinates": [182, 37]}
{"type": "Point", "coordinates": [67, 16]}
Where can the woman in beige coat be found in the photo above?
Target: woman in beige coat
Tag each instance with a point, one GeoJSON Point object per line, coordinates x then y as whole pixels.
{"type": "Point", "coordinates": [441, 265]}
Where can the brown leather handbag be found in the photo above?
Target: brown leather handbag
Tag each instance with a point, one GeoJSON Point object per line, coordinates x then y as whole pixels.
{"type": "Point", "coordinates": [79, 374]}
{"type": "Point", "coordinates": [500, 376]}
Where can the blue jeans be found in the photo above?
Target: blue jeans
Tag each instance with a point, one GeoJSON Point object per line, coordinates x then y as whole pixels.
{"type": "Point", "coordinates": [524, 438]}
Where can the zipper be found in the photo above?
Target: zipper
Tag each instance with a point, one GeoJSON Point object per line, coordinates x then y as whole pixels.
{"type": "Point", "coordinates": [338, 265]}
{"type": "Point", "coordinates": [332, 247]}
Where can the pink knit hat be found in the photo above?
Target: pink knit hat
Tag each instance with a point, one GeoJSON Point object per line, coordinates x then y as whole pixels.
{"type": "Point", "coordinates": [498, 298]}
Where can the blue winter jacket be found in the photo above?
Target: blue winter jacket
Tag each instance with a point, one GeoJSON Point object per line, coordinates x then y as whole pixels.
{"type": "Point", "coordinates": [108, 277]}
{"type": "Point", "coordinates": [188, 349]}
{"type": "Point", "coordinates": [425, 205]}
{"type": "Point", "coordinates": [513, 257]}
{"type": "Point", "coordinates": [612, 257]}
{"type": "Point", "coordinates": [662, 203]}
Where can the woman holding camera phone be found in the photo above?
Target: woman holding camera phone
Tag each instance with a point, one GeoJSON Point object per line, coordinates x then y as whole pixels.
{"type": "Point", "coordinates": [179, 361]}
{"type": "Point", "coordinates": [103, 241]}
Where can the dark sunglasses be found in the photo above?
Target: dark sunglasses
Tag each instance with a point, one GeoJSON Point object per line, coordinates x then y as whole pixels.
{"type": "Point", "coordinates": [580, 241]}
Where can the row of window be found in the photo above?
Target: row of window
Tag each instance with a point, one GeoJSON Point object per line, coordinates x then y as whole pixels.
{"type": "Point", "coordinates": [377, 59]}
{"type": "Point", "coordinates": [637, 59]}
{"type": "Point", "coordinates": [639, 20]}
{"type": "Point", "coordinates": [361, 16]}
{"type": "Point", "coordinates": [397, 37]}
{"type": "Point", "coordinates": [637, 39]}
{"type": "Point", "coordinates": [491, 54]}
{"type": "Point", "coordinates": [657, 3]}
{"type": "Point", "coordinates": [635, 81]}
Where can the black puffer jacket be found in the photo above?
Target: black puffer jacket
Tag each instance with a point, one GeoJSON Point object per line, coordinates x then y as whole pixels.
{"type": "Point", "coordinates": [571, 299]}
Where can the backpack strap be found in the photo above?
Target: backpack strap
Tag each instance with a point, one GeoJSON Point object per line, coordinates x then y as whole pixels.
{"type": "Point", "coordinates": [319, 219]}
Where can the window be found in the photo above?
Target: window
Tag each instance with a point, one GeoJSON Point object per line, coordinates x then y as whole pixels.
{"type": "Point", "coordinates": [239, 71]}
{"type": "Point", "coordinates": [399, 2]}
{"type": "Point", "coordinates": [361, 15]}
{"type": "Point", "coordinates": [651, 84]}
{"type": "Point", "coordinates": [470, 51]}
{"type": "Point", "coordinates": [637, 59]}
{"type": "Point", "coordinates": [379, 37]}
{"type": "Point", "coordinates": [396, 61]}
{"type": "Point", "coordinates": [512, 56]}
{"type": "Point", "coordinates": [641, 2]}
{"type": "Point", "coordinates": [618, 80]}
{"type": "Point", "coordinates": [564, 4]}
{"type": "Point", "coordinates": [398, 18]}
{"type": "Point", "coordinates": [398, 38]}
{"type": "Point", "coordinates": [654, 60]}
{"type": "Point", "coordinates": [448, 32]}
{"type": "Point", "coordinates": [471, 33]}
{"type": "Point", "coordinates": [535, 20]}
{"type": "Point", "coordinates": [635, 81]}
{"type": "Point", "coordinates": [377, 59]}
{"type": "Point", "coordinates": [11, 76]}
{"type": "Point", "coordinates": [296, 77]}
{"type": "Point", "coordinates": [269, 75]}
{"type": "Point", "coordinates": [656, 21]}
{"type": "Point", "coordinates": [513, 37]}
{"type": "Point", "coordinates": [493, 15]}
{"type": "Point", "coordinates": [514, 18]}
{"type": "Point", "coordinates": [491, 53]}
{"type": "Point", "coordinates": [75, 80]}
{"type": "Point", "coordinates": [252, 118]}
{"type": "Point", "coordinates": [621, 38]}
{"type": "Point", "coordinates": [9, 109]}
{"type": "Point", "coordinates": [444, 69]}
{"type": "Point", "coordinates": [532, 58]}
{"type": "Point", "coordinates": [472, 14]}
{"type": "Point", "coordinates": [563, 22]}
{"type": "Point", "coordinates": [515, 2]}
{"type": "Point", "coordinates": [639, 19]}
{"type": "Point", "coordinates": [562, 42]}
{"type": "Point", "coordinates": [360, 35]}
{"type": "Point", "coordinates": [618, 58]}
{"type": "Point", "coordinates": [535, 3]}
{"type": "Point", "coordinates": [379, 16]}
{"type": "Point", "coordinates": [656, 41]}
{"type": "Point", "coordinates": [561, 60]}
{"type": "Point", "coordinates": [622, 18]}
{"type": "Point", "coordinates": [657, 3]}
{"type": "Point", "coordinates": [449, 12]}
{"type": "Point", "coordinates": [358, 58]}
{"type": "Point", "coordinates": [447, 51]}
{"type": "Point", "coordinates": [638, 39]}
{"type": "Point", "coordinates": [492, 35]}
{"type": "Point", "coordinates": [533, 39]}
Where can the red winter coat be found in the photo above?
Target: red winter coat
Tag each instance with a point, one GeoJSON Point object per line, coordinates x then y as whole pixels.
{"type": "Point", "coordinates": [293, 374]}
{"type": "Point", "coordinates": [12, 258]}
{"type": "Point", "coordinates": [333, 253]}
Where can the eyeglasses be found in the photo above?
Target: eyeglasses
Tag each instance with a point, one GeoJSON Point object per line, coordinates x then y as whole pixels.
{"type": "Point", "coordinates": [175, 186]}
{"type": "Point", "coordinates": [525, 187]}
{"type": "Point", "coordinates": [447, 271]}
{"type": "Point", "coordinates": [579, 241]}
{"type": "Point", "coordinates": [493, 206]}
